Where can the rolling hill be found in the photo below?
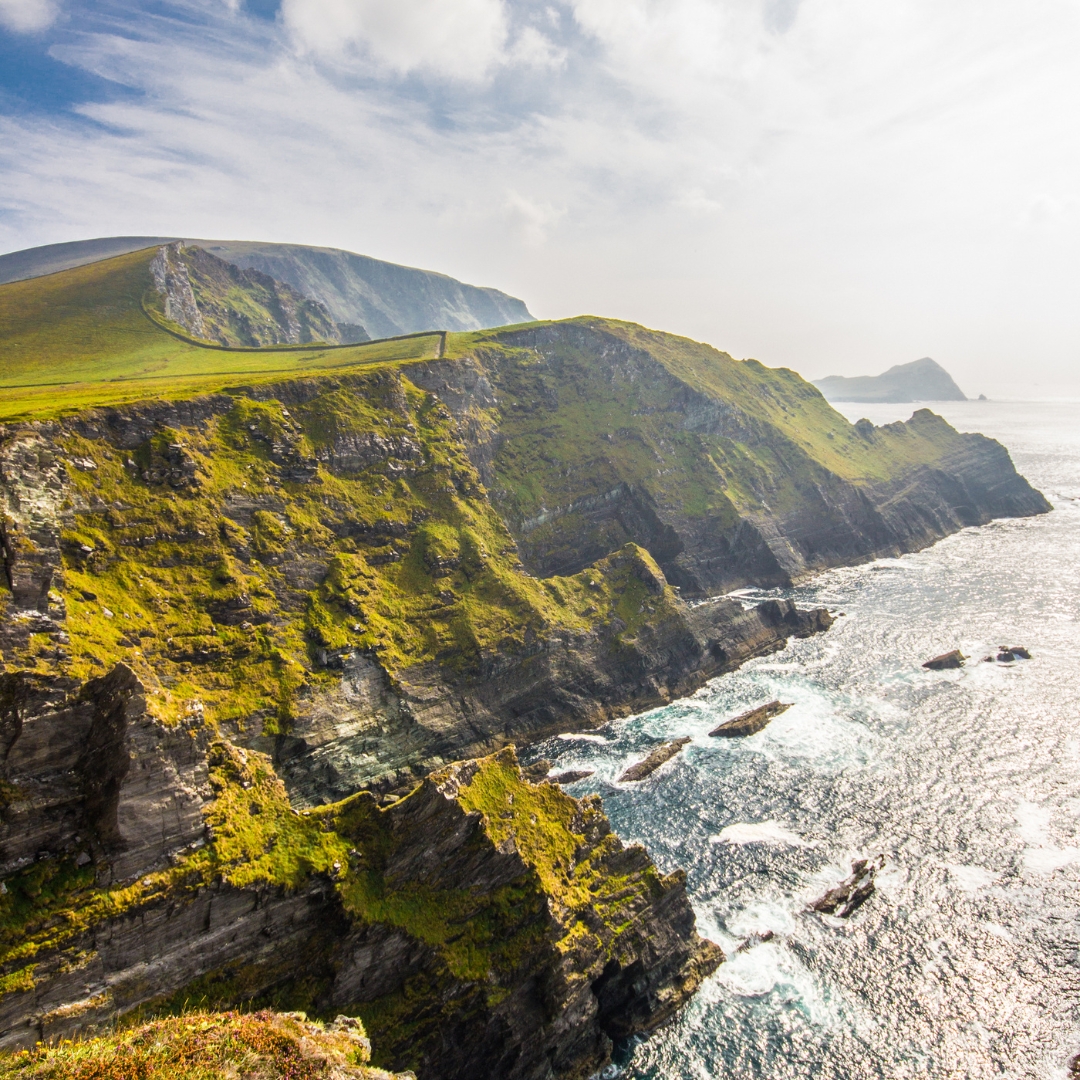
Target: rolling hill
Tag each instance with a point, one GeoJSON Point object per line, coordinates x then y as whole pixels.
{"type": "Point", "coordinates": [384, 298]}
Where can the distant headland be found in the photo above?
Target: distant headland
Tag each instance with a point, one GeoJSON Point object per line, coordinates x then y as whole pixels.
{"type": "Point", "coordinates": [921, 380]}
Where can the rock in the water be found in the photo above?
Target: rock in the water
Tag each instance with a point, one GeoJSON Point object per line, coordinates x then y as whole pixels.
{"type": "Point", "coordinates": [756, 939]}
{"type": "Point", "coordinates": [571, 777]}
{"type": "Point", "coordinates": [751, 721]}
{"type": "Point", "coordinates": [952, 659]}
{"type": "Point", "coordinates": [853, 891]}
{"type": "Point", "coordinates": [653, 762]}
{"type": "Point", "coordinates": [1018, 652]}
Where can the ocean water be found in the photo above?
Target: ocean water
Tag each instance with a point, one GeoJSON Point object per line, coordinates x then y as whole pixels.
{"type": "Point", "coordinates": [966, 960]}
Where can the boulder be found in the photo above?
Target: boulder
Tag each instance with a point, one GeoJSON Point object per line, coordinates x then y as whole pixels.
{"type": "Point", "coordinates": [853, 891]}
{"type": "Point", "coordinates": [751, 721]}
{"type": "Point", "coordinates": [952, 659]}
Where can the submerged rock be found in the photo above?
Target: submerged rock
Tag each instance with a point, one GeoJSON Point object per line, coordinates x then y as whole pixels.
{"type": "Point", "coordinates": [853, 891]}
{"type": "Point", "coordinates": [953, 659]}
{"type": "Point", "coordinates": [653, 762]}
{"type": "Point", "coordinates": [1008, 653]}
{"type": "Point", "coordinates": [751, 721]}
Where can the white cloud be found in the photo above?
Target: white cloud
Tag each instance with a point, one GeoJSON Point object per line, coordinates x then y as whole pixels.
{"type": "Point", "coordinates": [536, 50]}
{"type": "Point", "coordinates": [462, 39]}
{"type": "Point", "coordinates": [531, 218]}
{"type": "Point", "coordinates": [28, 16]}
{"type": "Point", "coordinates": [860, 186]}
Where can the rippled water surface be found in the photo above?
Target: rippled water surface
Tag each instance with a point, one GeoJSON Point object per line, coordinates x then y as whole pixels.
{"type": "Point", "coordinates": [965, 961]}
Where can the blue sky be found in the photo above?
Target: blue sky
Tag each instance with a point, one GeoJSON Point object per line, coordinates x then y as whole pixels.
{"type": "Point", "coordinates": [830, 185]}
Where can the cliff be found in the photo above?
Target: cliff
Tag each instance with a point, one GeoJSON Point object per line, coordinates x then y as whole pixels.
{"type": "Point", "coordinates": [591, 433]}
{"type": "Point", "coordinates": [921, 380]}
{"type": "Point", "coordinates": [481, 926]}
{"type": "Point", "coordinates": [216, 301]}
{"type": "Point", "coordinates": [267, 638]}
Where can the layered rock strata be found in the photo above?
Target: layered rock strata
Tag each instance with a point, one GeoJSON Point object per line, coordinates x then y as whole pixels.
{"type": "Point", "coordinates": [483, 925]}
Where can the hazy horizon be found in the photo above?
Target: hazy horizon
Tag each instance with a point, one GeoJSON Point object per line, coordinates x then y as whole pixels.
{"type": "Point", "coordinates": [827, 186]}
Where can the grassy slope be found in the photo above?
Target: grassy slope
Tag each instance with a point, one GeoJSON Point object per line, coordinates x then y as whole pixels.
{"type": "Point", "coordinates": [204, 1046]}
{"type": "Point", "coordinates": [437, 578]}
{"type": "Point", "coordinates": [81, 338]}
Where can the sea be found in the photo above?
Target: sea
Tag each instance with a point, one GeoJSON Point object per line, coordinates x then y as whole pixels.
{"type": "Point", "coordinates": [965, 961]}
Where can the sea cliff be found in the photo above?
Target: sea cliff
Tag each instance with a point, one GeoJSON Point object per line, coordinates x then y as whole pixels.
{"type": "Point", "coordinates": [266, 650]}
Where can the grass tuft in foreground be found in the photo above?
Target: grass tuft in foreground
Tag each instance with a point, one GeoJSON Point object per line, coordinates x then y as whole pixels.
{"type": "Point", "coordinates": [208, 1046]}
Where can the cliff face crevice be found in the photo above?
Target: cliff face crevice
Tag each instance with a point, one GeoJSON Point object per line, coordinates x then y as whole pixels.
{"type": "Point", "coordinates": [89, 775]}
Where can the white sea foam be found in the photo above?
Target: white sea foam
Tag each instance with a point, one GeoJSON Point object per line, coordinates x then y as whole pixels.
{"type": "Point", "coordinates": [575, 736]}
{"type": "Point", "coordinates": [757, 832]}
{"type": "Point", "coordinates": [1045, 860]}
{"type": "Point", "coordinates": [971, 878]}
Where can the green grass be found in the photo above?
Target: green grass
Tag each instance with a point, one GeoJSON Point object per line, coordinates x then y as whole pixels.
{"type": "Point", "coordinates": [84, 337]}
{"type": "Point", "coordinates": [205, 1046]}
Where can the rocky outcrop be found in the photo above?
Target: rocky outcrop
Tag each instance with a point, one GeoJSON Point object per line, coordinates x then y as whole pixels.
{"type": "Point", "coordinates": [577, 953]}
{"type": "Point", "coordinates": [845, 898]}
{"type": "Point", "coordinates": [89, 776]}
{"type": "Point", "coordinates": [648, 765]}
{"type": "Point", "coordinates": [750, 722]}
{"type": "Point", "coordinates": [216, 301]}
{"type": "Point", "coordinates": [952, 659]}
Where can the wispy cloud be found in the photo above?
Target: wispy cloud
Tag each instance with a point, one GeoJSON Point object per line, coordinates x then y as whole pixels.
{"type": "Point", "coordinates": [828, 184]}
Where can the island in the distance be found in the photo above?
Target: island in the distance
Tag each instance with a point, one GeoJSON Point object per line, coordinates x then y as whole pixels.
{"type": "Point", "coordinates": [921, 380]}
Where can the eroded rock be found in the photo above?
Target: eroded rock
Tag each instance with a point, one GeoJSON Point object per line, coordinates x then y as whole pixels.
{"type": "Point", "coordinates": [851, 893]}
{"type": "Point", "coordinates": [653, 762]}
{"type": "Point", "coordinates": [952, 659]}
{"type": "Point", "coordinates": [751, 721]}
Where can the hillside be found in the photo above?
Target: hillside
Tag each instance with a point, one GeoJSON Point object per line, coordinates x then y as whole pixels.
{"type": "Point", "coordinates": [384, 298]}
{"type": "Point", "coordinates": [213, 300]}
{"type": "Point", "coordinates": [271, 619]}
{"type": "Point", "coordinates": [921, 380]}
{"type": "Point", "coordinates": [90, 336]}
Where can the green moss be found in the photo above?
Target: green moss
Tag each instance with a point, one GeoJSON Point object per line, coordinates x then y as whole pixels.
{"type": "Point", "coordinates": [20, 981]}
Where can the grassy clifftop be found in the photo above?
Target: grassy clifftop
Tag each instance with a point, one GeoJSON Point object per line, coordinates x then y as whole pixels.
{"type": "Point", "coordinates": [84, 337]}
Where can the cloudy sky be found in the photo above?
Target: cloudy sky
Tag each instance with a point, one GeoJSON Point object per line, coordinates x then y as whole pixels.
{"type": "Point", "coordinates": [830, 185]}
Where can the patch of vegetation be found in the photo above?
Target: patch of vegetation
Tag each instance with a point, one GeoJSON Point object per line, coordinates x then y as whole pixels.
{"type": "Point", "coordinates": [206, 1046]}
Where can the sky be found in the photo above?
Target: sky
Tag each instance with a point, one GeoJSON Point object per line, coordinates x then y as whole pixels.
{"type": "Point", "coordinates": [834, 186]}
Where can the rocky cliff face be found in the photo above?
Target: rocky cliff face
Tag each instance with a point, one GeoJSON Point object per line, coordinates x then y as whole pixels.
{"type": "Point", "coordinates": [349, 603]}
{"type": "Point", "coordinates": [249, 637]}
{"type": "Point", "coordinates": [590, 434]}
{"type": "Point", "coordinates": [216, 301]}
{"type": "Point", "coordinates": [483, 925]}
